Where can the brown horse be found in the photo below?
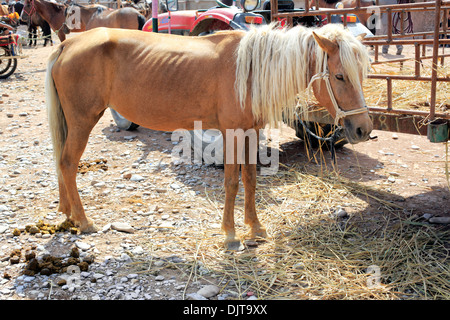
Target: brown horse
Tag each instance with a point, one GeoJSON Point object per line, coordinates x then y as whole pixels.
{"type": "Point", "coordinates": [363, 17]}
{"type": "Point", "coordinates": [77, 18]}
{"type": "Point", "coordinates": [33, 23]}
{"type": "Point", "coordinates": [230, 80]}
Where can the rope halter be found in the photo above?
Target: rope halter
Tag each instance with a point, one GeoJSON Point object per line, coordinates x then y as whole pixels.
{"type": "Point", "coordinates": [340, 114]}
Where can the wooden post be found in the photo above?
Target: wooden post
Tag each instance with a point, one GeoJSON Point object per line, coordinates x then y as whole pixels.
{"type": "Point", "coordinates": [418, 61]}
{"type": "Point", "coordinates": [389, 93]}
{"type": "Point", "coordinates": [389, 24]}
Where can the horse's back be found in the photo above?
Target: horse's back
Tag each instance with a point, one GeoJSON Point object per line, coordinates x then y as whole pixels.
{"type": "Point", "coordinates": [124, 18]}
{"type": "Point", "coordinates": [136, 44]}
{"type": "Point", "coordinates": [137, 69]}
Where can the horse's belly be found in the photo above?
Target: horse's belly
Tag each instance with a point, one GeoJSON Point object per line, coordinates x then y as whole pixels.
{"type": "Point", "coordinates": [159, 113]}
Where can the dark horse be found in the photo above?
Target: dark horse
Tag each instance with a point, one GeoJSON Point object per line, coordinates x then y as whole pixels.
{"type": "Point", "coordinates": [33, 23]}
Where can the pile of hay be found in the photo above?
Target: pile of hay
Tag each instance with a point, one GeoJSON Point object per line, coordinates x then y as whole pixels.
{"type": "Point", "coordinates": [314, 251]}
{"type": "Point", "coordinates": [414, 95]}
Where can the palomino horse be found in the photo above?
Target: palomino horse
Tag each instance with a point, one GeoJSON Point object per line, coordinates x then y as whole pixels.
{"type": "Point", "coordinates": [79, 18]}
{"type": "Point", "coordinates": [236, 80]}
{"type": "Point", "coordinates": [347, 4]}
{"type": "Point", "coordinates": [4, 10]}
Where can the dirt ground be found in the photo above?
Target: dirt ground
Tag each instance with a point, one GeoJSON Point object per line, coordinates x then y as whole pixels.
{"type": "Point", "coordinates": [169, 203]}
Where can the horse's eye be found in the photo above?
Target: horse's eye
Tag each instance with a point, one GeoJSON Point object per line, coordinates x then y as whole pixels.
{"type": "Point", "coordinates": [340, 77]}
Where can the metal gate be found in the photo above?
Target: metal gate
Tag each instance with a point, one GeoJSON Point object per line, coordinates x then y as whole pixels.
{"type": "Point", "coordinates": [390, 118]}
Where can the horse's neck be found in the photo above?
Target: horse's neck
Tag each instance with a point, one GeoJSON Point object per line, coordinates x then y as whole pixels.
{"type": "Point", "coordinates": [43, 8]}
{"type": "Point", "coordinates": [47, 11]}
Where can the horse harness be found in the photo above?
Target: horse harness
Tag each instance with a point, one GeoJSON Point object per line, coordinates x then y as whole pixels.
{"type": "Point", "coordinates": [340, 113]}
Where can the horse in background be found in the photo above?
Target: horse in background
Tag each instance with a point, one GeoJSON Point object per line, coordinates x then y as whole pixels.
{"type": "Point", "coordinates": [331, 4]}
{"type": "Point", "coordinates": [145, 7]}
{"type": "Point", "coordinates": [33, 23]}
{"type": "Point", "coordinates": [77, 18]}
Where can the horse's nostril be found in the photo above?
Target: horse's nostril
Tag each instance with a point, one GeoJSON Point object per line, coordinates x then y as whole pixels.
{"type": "Point", "coordinates": [359, 132]}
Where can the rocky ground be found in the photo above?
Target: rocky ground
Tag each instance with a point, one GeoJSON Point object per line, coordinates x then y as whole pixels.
{"type": "Point", "coordinates": [152, 213]}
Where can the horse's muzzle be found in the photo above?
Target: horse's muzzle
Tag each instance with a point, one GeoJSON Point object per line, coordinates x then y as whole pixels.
{"type": "Point", "coordinates": [357, 132]}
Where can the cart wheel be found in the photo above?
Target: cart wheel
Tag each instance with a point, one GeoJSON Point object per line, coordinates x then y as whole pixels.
{"type": "Point", "coordinates": [7, 66]}
{"type": "Point", "coordinates": [321, 130]}
{"type": "Point", "coordinates": [123, 123]}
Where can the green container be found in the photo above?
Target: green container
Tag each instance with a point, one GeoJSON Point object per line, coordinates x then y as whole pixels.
{"type": "Point", "coordinates": [437, 130]}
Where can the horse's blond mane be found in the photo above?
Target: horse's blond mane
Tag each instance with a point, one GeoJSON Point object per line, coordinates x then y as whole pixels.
{"type": "Point", "coordinates": [279, 63]}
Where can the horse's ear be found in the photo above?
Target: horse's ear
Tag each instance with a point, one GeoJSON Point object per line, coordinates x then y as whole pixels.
{"type": "Point", "coordinates": [361, 36]}
{"type": "Point", "coordinates": [325, 44]}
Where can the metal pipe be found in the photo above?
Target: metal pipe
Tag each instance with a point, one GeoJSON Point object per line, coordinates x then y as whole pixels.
{"type": "Point", "coordinates": [406, 35]}
{"type": "Point", "coordinates": [155, 15]}
{"type": "Point", "coordinates": [409, 112]}
{"type": "Point", "coordinates": [411, 41]}
{"type": "Point", "coordinates": [417, 58]}
{"type": "Point", "coordinates": [437, 17]}
{"type": "Point", "coordinates": [399, 77]}
{"type": "Point", "coordinates": [392, 7]}
{"type": "Point", "coordinates": [274, 9]}
{"type": "Point", "coordinates": [389, 93]}
{"type": "Point", "coordinates": [389, 25]}
{"type": "Point", "coordinates": [418, 61]}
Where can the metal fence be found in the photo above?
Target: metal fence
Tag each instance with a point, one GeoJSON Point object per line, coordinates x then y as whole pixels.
{"type": "Point", "coordinates": [390, 118]}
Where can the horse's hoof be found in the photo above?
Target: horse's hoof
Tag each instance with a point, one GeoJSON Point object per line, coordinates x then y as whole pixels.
{"type": "Point", "coordinates": [234, 245]}
{"type": "Point", "coordinates": [88, 227]}
{"type": "Point", "coordinates": [257, 234]}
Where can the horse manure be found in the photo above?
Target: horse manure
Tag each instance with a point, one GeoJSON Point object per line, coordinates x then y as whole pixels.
{"type": "Point", "coordinates": [75, 252]}
{"type": "Point", "coordinates": [14, 260]}
{"type": "Point", "coordinates": [89, 259]}
{"type": "Point", "coordinates": [29, 255]}
{"type": "Point", "coordinates": [16, 253]}
{"type": "Point", "coordinates": [96, 165]}
{"type": "Point", "coordinates": [33, 230]}
{"type": "Point", "coordinates": [48, 228]}
{"type": "Point", "coordinates": [84, 266]}
{"type": "Point", "coordinates": [49, 264]}
{"type": "Point", "coordinates": [33, 265]}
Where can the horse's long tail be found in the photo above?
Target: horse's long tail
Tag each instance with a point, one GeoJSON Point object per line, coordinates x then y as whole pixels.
{"type": "Point", "coordinates": [141, 21]}
{"type": "Point", "coordinates": [56, 118]}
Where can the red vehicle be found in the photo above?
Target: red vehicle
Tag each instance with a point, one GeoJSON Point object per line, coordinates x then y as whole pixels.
{"type": "Point", "coordinates": [198, 23]}
{"type": "Point", "coordinates": [202, 22]}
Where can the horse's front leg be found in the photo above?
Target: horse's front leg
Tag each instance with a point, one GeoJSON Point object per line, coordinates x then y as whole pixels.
{"type": "Point", "coordinates": [249, 181]}
{"type": "Point", "coordinates": [251, 218]}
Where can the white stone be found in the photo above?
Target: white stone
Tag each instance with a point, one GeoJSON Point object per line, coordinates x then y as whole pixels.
{"type": "Point", "coordinates": [137, 178]}
{"type": "Point", "coordinates": [122, 226]}
{"type": "Point", "coordinates": [82, 245]}
{"type": "Point", "coordinates": [209, 291]}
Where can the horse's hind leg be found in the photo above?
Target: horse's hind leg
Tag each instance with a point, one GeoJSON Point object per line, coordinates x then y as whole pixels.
{"type": "Point", "coordinates": [64, 205]}
{"type": "Point", "coordinates": [78, 135]}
